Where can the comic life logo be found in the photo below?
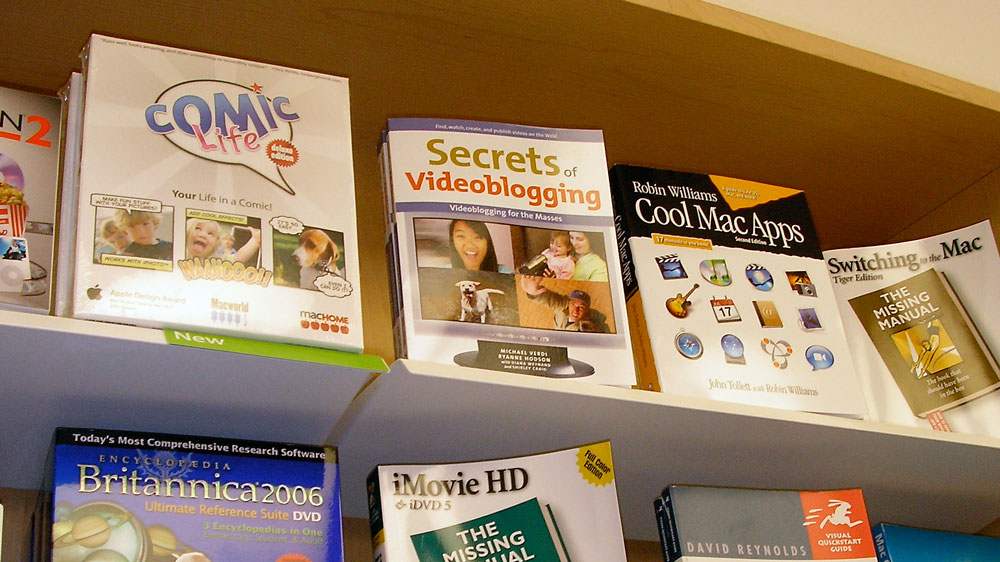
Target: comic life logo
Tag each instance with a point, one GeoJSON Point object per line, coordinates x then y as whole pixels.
{"type": "Point", "coordinates": [228, 123]}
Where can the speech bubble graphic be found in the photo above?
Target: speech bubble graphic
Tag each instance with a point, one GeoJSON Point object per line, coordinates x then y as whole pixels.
{"type": "Point", "coordinates": [819, 357]}
{"type": "Point", "coordinates": [287, 225]}
{"type": "Point", "coordinates": [228, 123]}
{"type": "Point", "coordinates": [333, 285]}
{"type": "Point", "coordinates": [128, 203]}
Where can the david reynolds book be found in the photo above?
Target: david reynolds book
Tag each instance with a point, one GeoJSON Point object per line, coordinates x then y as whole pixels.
{"type": "Point", "coordinates": [559, 506]}
{"type": "Point", "coordinates": [939, 365]}
{"type": "Point", "coordinates": [727, 294]}
{"type": "Point", "coordinates": [714, 523]}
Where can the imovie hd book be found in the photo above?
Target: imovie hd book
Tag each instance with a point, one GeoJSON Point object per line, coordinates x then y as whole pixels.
{"type": "Point", "coordinates": [921, 319]}
{"type": "Point", "coordinates": [135, 496]}
{"type": "Point", "coordinates": [711, 524]}
{"type": "Point", "coordinates": [560, 506]}
{"type": "Point", "coordinates": [728, 297]}
{"type": "Point", "coordinates": [502, 249]}
{"type": "Point", "coordinates": [29, 170]}
{"type": "Point", "coordinates": [216, 194]}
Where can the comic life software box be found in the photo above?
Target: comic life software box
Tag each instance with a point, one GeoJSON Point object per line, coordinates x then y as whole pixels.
{"type": "Point", "coordinates": [559, 506]}
{"type": "Point", "coordinates": [504, 249]}
{"type": "Point", "coordinates": [29, 168]}
{"type": "Point", "coordinates": [131, 496]}
{"type": "Point", "coordinates": [217, 194]}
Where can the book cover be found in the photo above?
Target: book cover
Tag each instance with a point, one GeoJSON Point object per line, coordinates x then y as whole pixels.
{"type": "Point", "coordinates": [503, 249]}
{"type": "Point", "coordinates": [727, 294]}
{"type": "Point", "coordinates": [29, 167]}
{"type": "Point", "coordinates": [124, 495]}
{"type": "Point", "coordinates": [711, 523]}
{"type": "Point", "coordinates": [517, 533]}
{"type": "Point", "coordinates": [924, 345]}
{"type": "Point", "coordinates": [921, 333]}
{"type": "Point", "coordinates": [216, 194]}
{"type": "Point", "coordinates": [896, 543]}
{"type": "Point", "coordinates": [560, 506]}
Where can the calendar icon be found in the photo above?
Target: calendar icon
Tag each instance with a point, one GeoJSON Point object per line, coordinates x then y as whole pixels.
{"type": "Point", "coordinates": [725, 310]}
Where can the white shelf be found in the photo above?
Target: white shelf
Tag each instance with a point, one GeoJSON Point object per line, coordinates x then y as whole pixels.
{"type": "Point", "coordinates": [64, 372]}
{"type": "Point", "coordinates": [426, 413]}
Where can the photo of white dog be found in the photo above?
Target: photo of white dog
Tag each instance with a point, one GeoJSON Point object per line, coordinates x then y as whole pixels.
{"type": "Point", "coordinates": [476, 303]}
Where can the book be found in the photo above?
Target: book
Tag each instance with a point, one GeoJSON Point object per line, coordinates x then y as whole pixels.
{"type": "Point", "coordinates": [713, 523]}
{"type": "Point", "coordinates": [29, 166]}
{"type": "Point", "coordinates": [727, 294]}
{"type": "Point", "coordinates": [127, 495]}
{"type": "Point", "coordinates": [560, 506]}
{"type": "Point", "coordinates": [216, 194]}
{"type": "Point", "coordinates": [502, 251]}
{"type": "Point", "coordinates": [896, 543]}
{"type": "Point", "coordinates": [921, 320]}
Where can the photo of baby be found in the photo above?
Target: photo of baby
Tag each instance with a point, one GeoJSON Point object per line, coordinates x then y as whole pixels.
{"type": "Point", "coordinates": [564, 254]}
{"type": "Point", "coordinates": [214, 238]}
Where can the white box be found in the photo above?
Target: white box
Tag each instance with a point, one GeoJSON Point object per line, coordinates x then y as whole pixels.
{"type": "Point", "coordinates": [29, 167]}
{"type": "Point", "coordinates": [215, 146]}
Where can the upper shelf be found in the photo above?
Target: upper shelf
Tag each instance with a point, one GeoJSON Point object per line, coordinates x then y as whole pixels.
{"type": "Point", "coordinates": [428, 413]}
{"type": "Point", "coordinates": [873, 152]}
{"type": "Point", "coordinates": [64, 372]}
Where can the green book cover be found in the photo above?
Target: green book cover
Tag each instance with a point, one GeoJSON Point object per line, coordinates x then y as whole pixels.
{"type": "Point", "coordinates": [515, 534]}
{"type": "Point", "coordinates": [928, 343]}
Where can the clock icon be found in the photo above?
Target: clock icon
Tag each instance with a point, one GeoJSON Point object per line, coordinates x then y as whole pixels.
{"type": "Point", "coordinates": [688, 345]}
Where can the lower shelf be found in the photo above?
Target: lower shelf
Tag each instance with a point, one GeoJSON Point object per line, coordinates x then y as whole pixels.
{"type": "Point", "coordinates": [427, 413]}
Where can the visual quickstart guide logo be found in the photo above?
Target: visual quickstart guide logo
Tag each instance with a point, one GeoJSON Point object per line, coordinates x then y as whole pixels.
{"type": "Point", "coordinates": [228, 123]}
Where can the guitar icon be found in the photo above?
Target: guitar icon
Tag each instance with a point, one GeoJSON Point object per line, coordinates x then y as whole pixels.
{"type": "Point", "coordinates": [678, 306]}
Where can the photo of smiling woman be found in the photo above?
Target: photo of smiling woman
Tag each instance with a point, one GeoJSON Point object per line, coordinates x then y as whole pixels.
{"type": "Point", "coordinates": [472, 247]}
{"type": "Point", "coordinates": [464, 244]}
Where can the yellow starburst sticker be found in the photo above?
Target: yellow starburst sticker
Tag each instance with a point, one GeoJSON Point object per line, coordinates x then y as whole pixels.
{"type": "Point", "coordinates": [594, 463]}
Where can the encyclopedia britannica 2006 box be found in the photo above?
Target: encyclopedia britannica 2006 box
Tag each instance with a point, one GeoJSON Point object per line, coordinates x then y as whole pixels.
{"type": "Point", "coordinates": [131, 496]}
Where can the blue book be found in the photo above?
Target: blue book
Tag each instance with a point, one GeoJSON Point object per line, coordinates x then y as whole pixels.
{"type": "Point", "coordinates": [894, 543]}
